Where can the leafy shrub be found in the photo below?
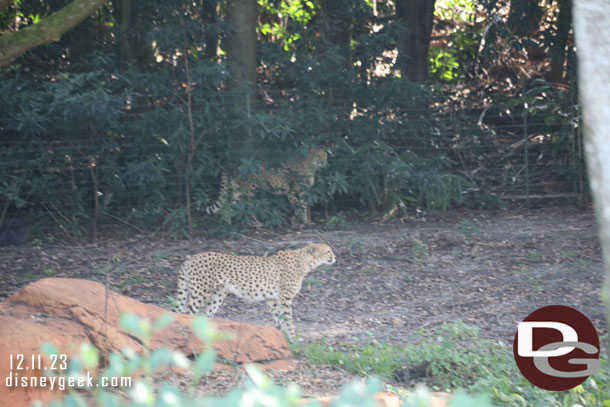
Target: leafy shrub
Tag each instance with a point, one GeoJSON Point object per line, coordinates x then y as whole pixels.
{"type": "Point", "coordinates": [454, 357]}
{"type": "Point", "coordinates": [259, 390]}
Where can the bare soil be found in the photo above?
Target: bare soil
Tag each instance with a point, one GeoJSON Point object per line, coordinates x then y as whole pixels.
{"type": "Point", "coordinates": [489, 269]}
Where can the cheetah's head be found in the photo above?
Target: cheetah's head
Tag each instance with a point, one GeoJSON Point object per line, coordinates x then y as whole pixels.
{"type": "Point", "coordinates": [318, 158]}
{"type": "Point", "coordinates": [318, 254]}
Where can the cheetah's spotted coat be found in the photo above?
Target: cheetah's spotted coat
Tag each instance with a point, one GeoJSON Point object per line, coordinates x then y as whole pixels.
{"type": "Point", "coordinates": [290, 180]}
{"type": "Point", "coordinates": [207, 278]}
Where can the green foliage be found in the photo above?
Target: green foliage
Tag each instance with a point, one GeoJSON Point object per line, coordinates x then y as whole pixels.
{"type": "Point", "coordinates": [91, 132]}
{"type": "Point", "coordinates": [421, 397]}
{"type": "Point", "coordinates": [379, 359]}
{"type": "Point", "coordinates": [420, 249]}
{"type": "Point", "coordinates": [337, 221]}
{"type": "Point", "coordinates": [454, 357]}
{"type": "Point", "coordinates": [455, 10]}
{"type": "Point", "coordinates": [258, 390]}
{"type": "Point", "coordinates": [451, 60]}
{"type": "Point", "coordinates": [444, 64]}
{"type": "Point", "coordinates": [468, 228]}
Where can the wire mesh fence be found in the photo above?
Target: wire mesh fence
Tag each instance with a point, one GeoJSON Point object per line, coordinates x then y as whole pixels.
{"type": "Point", "coordinates": [148, 161]}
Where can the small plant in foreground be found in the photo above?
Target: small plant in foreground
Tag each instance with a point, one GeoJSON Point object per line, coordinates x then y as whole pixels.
{"type": "Point", "coordinates": [259, 390]}
{"type": "Point", "coordinates": [468, 228]}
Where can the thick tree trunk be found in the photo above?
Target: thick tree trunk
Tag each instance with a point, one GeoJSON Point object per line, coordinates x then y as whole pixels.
{"type": "Point", "coordinates": [210, 17]}
{"type": "Point", "coordinates": [5, 4]}
{"type": "Point", "coordinates": [49, 29]}
{"type": "Point", "coordinates": [593, 50]}
{"type": "Point", "coordinates": [413, 48]}
{"type": "Point", "coordinates": [242, 62]}
{"type": "Point", "coordinates": [241, 46]}
{"type": "Point", "coordinates": [125, 40]}
{"type": "Point", "coordinates": [560, 41]}
{"type": "Point", "coordinates": [133, 48]}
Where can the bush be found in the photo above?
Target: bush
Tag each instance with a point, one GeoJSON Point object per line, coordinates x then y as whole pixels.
{"type": "Point", "coordinates": [259, 390]}
{"type": "Point", "coordinates": [452, 358]}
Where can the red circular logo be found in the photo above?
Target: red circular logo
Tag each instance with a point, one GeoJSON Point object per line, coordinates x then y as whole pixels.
{"type": "Point", "coordinates": [556, 348]}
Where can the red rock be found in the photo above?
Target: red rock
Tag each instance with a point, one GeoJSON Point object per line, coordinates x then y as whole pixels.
{"type": "Point", "coordinates": [67, 312]}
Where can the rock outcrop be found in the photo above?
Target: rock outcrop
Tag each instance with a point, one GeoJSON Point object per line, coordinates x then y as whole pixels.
{"type": "Point", "coordinates": [67, 312]}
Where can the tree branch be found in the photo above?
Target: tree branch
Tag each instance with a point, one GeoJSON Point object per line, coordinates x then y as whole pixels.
{"type": "Point", "coordinates": [49, 29]}
{"type": "Point", "coordinates": [5, 4]}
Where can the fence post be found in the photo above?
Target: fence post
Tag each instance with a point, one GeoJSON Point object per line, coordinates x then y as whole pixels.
{"type": "Point", "coordinates": [248, 111]}
{"type": "Point", "coordinates": [581, 158]}
{"type": "Point", "coordinates": [526, 150]}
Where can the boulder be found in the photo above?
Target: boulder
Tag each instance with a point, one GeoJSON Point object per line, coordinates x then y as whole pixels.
{"type": "Point", "coordinates": [67, 312]}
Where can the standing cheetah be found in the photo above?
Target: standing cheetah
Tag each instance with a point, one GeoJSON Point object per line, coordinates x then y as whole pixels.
{"type": "Point", "coordinates": [291, 180]}
{"type": "Point", "coordinates": [207, 278]}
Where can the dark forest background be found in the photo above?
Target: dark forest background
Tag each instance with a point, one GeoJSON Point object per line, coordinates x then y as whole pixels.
{"type": "Point", "coordinates": [129, 116]}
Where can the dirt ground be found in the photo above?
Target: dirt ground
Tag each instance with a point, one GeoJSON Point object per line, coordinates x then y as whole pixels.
{"type": "Point", "coordinates": [489, 269]}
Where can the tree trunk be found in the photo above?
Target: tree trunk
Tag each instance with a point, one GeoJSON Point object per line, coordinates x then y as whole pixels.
{"type": "Point", "coordinates": [242, 62]}
{"type": "Point", "coordinates": [126, 49]}
{"type": "Point", "coordinates": [418, 15]}
{"type": "Point", "coordinates": [241, 46]}
{"type": "Point", "coordinates": [335, 24]}
{"type": "Point", "coordinates": [593, 50]}
{"type": "Point", "coordinates": [5, 4]}
{"type": "Point", "coordinates": [524, 17]}
{"type": "Point", "coordinates": [49, 29]}
{"type": "Point", "coordinates": [337, 33]}
{"type": "Point", "coordinates": [560, 41]}
{"type": "Point", "coordinates": [210, 17]}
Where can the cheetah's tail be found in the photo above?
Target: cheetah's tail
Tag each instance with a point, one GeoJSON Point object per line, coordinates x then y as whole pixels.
{"type": "Point", "coordinates": [224, 186]}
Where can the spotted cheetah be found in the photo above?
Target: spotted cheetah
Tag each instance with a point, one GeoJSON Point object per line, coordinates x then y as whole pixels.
{"type": "Point", "coordinates": [289, 180]}
{"type": "Point", "coordinates": [207, 278]}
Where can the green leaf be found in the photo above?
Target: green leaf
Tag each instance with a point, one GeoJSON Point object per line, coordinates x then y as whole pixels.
{"type": "Point", "coordinates": [108, 399]}
{"type": "Point", "coordinates": [163, 321]}
{"type": "Point", "coordinates": [49, 349]}
{"type": "Point", "coordinates": [141, 393]}
{"type": "Point", "coordinates": [179, 360]}
{"type": "Point", "coordinates": [465, 400]}
{"type": "Point", "coordinates": [130, 322]}
{"type": "Point", "coordinates": [133, 361]}
{"type": "Point", "coordinates": [258, 377]}
{"type": "Point", "coordinates": [204, 330]}
{"type": "Point", "coordinates": [169, 396]}
{"type": "Point", "coordinates": [160, 357]}
{"type": "Point", "coordinates": [204, 362]}
{"type": "Point", "coordinates": [134, 325]}
{"type": "Point", "coordinates": [89, 355]}
{"type": "Point", "coordinates": [116, 365]}
{"type": "Point", "coordinates": [74, 400]}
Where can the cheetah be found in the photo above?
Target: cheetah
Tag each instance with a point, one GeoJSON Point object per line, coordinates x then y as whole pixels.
{"type": "Point", "coordinates": [207, 278]}
{"type": "Point", "coordinates": [289, 180]}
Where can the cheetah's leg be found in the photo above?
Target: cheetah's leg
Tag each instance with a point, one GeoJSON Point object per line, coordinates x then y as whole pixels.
{"type": "Point", "coordinates": [301, 209]}
{"type": "Point", "coordinates": [282, 314]}
{"type": "Point", "coordinates": [183, 294]}
{"type": "Point", "coordinates": [198, 296]}
{"type": "Point", "coordinates": [215, 301]}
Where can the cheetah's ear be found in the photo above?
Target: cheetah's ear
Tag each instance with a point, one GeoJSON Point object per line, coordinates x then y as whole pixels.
{"type": "Point", "coordinates": [310, 248]}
